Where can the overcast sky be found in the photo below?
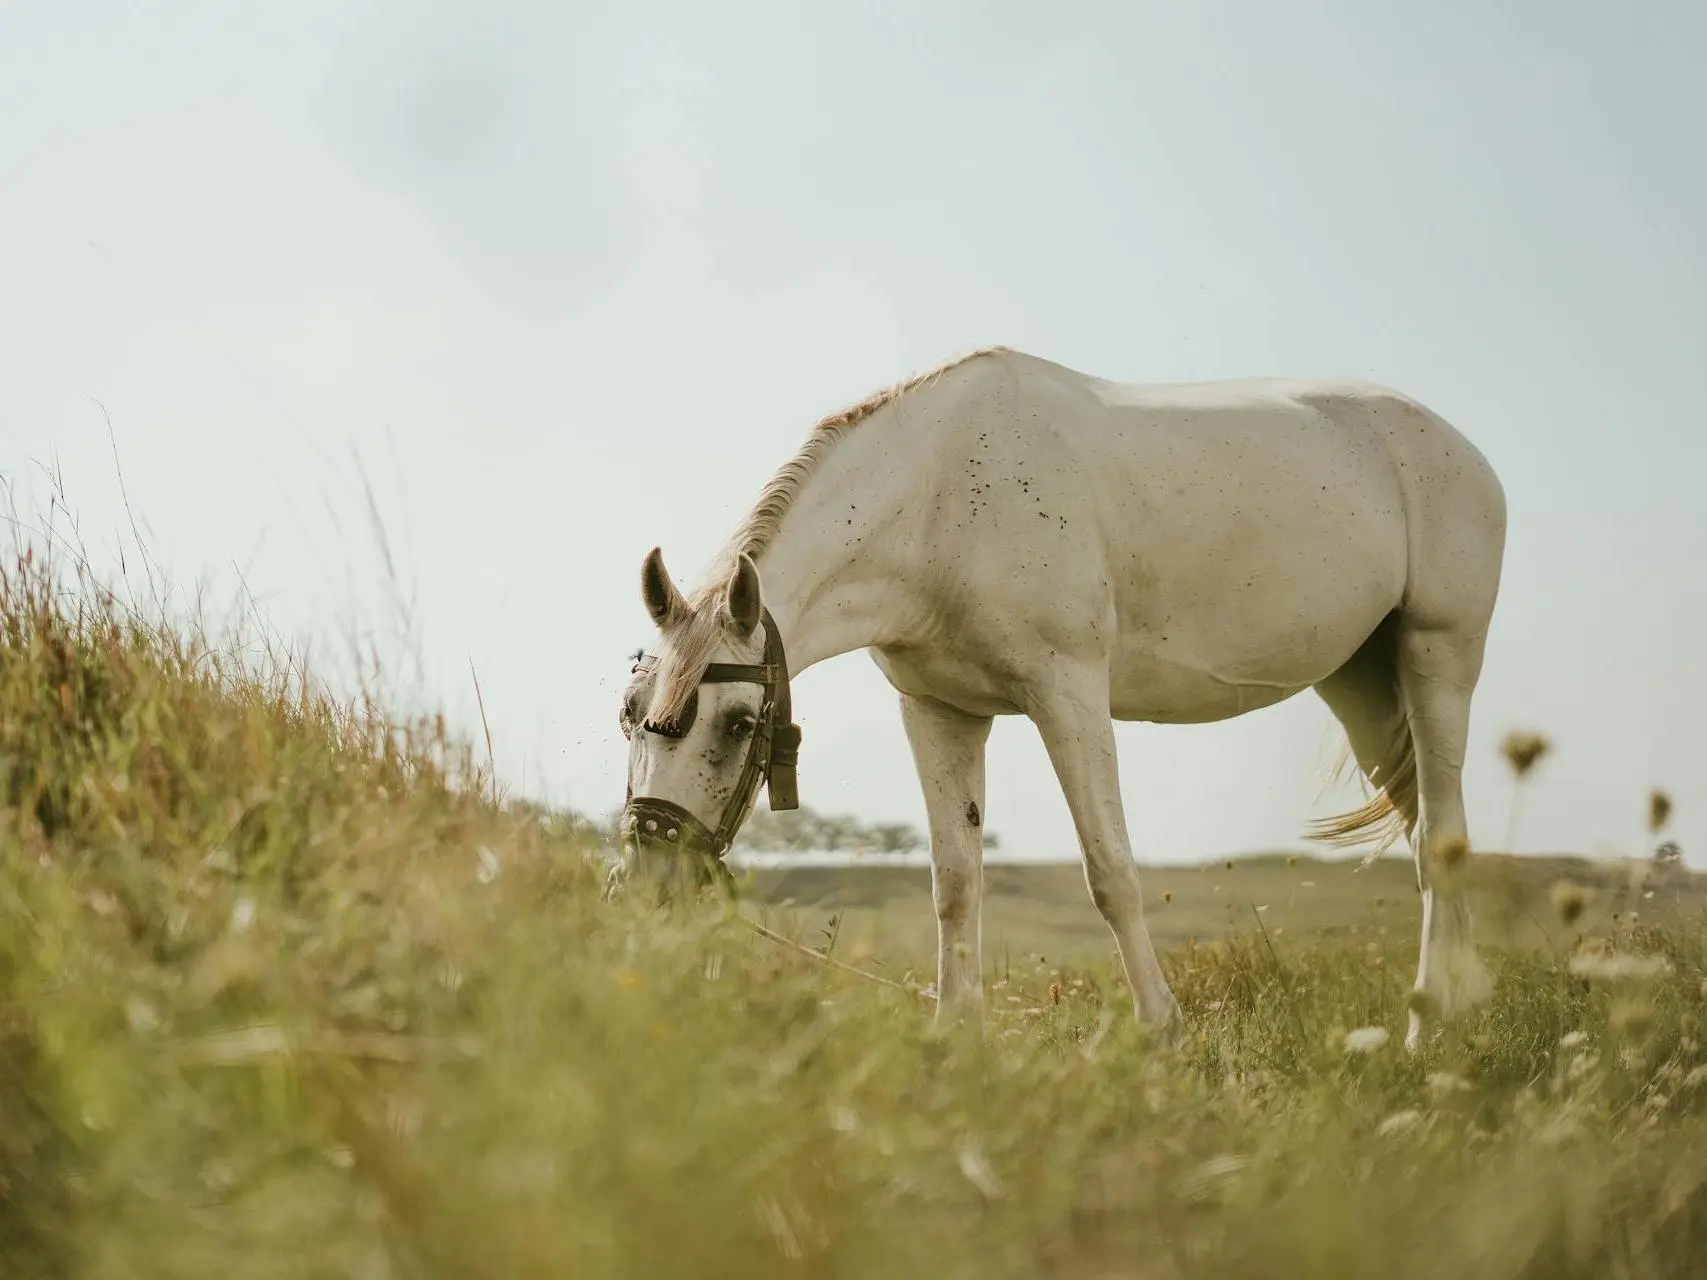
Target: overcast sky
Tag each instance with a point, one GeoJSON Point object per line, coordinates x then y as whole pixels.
{"type": "Point", "coordinates": [565, 282]}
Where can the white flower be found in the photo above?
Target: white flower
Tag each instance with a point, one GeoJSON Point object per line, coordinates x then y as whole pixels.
{"type": "Point", "coordinates": [979, 1173]}
{"type": "Point", "coordinates": [844, 1119]}
{"type": "Point", "coordinates": [1443, 1083]}
{"type": "Point", "coordinates": [1399, 1122]}
{"type": "Point", "coordinates": [1612, 968]}
{"type": "Point", "coordinates": [1365, 1039]}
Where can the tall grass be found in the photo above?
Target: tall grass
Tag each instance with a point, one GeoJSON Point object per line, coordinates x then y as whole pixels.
{"type": "Point", "coordinates": [284, 991]}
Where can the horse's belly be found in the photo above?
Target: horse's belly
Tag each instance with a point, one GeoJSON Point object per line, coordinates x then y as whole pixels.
{"type": "Point", "coordinates": [1153, 689]}
{"type": "Point", "coordinates": [1191, 666]}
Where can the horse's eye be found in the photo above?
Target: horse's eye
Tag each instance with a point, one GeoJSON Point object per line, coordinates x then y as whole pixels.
{"type": "Point", "coordinates": [742, 726]}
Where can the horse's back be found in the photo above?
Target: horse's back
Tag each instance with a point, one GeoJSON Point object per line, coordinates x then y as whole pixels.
{"type": "Point", "coordinates": [1242, 537]}
{"type": "Point", "coordinates": [1314, 434]}
{"type": "Point", "coordinates": [1302, 456]}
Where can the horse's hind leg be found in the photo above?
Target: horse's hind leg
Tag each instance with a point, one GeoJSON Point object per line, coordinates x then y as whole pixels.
{"type": "Point", "coordinates": [1073, 720]}
{"type": "Point", "coordinates": [1404, 702]}
{"type": "Point", "coordinates": [1438, 669]}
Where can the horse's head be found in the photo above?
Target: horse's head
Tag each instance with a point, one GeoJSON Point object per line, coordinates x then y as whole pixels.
{"type": "Point", "coordinates": [707, 718]}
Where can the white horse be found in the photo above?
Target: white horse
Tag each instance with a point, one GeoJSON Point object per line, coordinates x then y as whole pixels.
{"type": "Point", "coordinates": [1009, 536]}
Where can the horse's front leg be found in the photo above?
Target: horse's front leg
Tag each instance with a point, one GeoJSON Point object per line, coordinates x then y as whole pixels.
{"type": "Point", "coordinates": [1079, 736]}
{"type": "Point", "coordinates": [948, 750]}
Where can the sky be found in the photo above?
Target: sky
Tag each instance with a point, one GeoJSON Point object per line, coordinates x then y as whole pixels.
{"type": "Point", "coordinates": [418, 325]}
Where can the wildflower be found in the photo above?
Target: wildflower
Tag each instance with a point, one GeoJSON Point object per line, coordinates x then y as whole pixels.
{"type": "Point", "coordinates": [140, 1015]}
{"type": "Point", "coordinates": [1581, 1065]}
{"type": "Point", "coordinates": [1443, 1084]}
{"type": "Point", "coordinates": [1365, 1039]}
{"type": "Point", "coordinates": [1201, 1183]}
{"type": "Point", "coordinates": [1523, 750]}
{"type": "Point", "coordinates": [1450, 854]}
{"type": "Point", "coordinates": [1559, 1130]}
{"type": "Point", "coordinates": [1399, 1122]}
{"type": "Point", "coordinates": [1617, 967]}
{"type": "Point", "coordinates": [979, 1173]}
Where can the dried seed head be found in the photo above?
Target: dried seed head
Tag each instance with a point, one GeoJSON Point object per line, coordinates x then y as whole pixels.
{"type": "Point", "coordinates": [1659, 810]}
{"type": "Point", "coordinates": [1400, 1122]}
{"type": "Point", "coordinates": [1422, 1003]}
{"type": "Point", "coordinates": [1524, 749]}
{"type": "Point", "coordinates": [1569, 900]}
{"type": "Point", "coordinates": [1443, 1084]}
{"type": "Point", "coordinates": [1365, 1039]}
{"type": "Point", "coordinates": [1450, 855]}
{"type": "Point", "coordinates": [1607, 966]}
{"type": "Point", "coordinates": [1167, 895]}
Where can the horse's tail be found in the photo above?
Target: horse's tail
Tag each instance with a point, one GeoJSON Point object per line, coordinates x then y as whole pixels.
{"type": "Point", "coordinates": [1365, 698]}
{"type": "Point", "coordinates": [1387, 816]}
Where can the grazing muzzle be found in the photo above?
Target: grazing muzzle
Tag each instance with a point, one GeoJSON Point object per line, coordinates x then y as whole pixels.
{"type": "Point", "coordinates": [651, 824]}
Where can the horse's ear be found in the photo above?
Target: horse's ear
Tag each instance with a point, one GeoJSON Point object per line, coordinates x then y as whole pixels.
{"type": "Point", "coordinates": [663, 602]}
{"type": "Point", "coordinates": [743, 600]}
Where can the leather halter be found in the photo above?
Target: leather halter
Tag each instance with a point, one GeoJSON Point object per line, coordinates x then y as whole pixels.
{"type": "Point", "coordinates": [772, 755]}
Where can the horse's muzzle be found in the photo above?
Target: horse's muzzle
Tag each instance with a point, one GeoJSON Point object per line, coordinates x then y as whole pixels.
{"type": "Point", "coordinates": [667, 845]}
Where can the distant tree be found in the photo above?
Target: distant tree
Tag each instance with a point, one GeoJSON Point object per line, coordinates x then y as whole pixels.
{"type": "Point", "coordinates": [805, 830]}
{"type": "Point", "coordinates": [801, 830]}
{"type": "Point", "coordinates": [895, 837]}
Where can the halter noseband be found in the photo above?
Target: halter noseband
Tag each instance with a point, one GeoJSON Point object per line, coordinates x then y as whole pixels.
{"type": "Point", "coordinates": [772, 755]}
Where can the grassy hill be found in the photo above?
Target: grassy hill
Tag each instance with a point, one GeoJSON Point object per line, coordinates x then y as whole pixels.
{"type": "Point", "coordinates": [284, 992]}
{"type": "Point", "coordinates": [1045, 909]}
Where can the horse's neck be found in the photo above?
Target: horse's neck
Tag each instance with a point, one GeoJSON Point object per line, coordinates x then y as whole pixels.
{"type": "Point", "coordinates": [832, 573]}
